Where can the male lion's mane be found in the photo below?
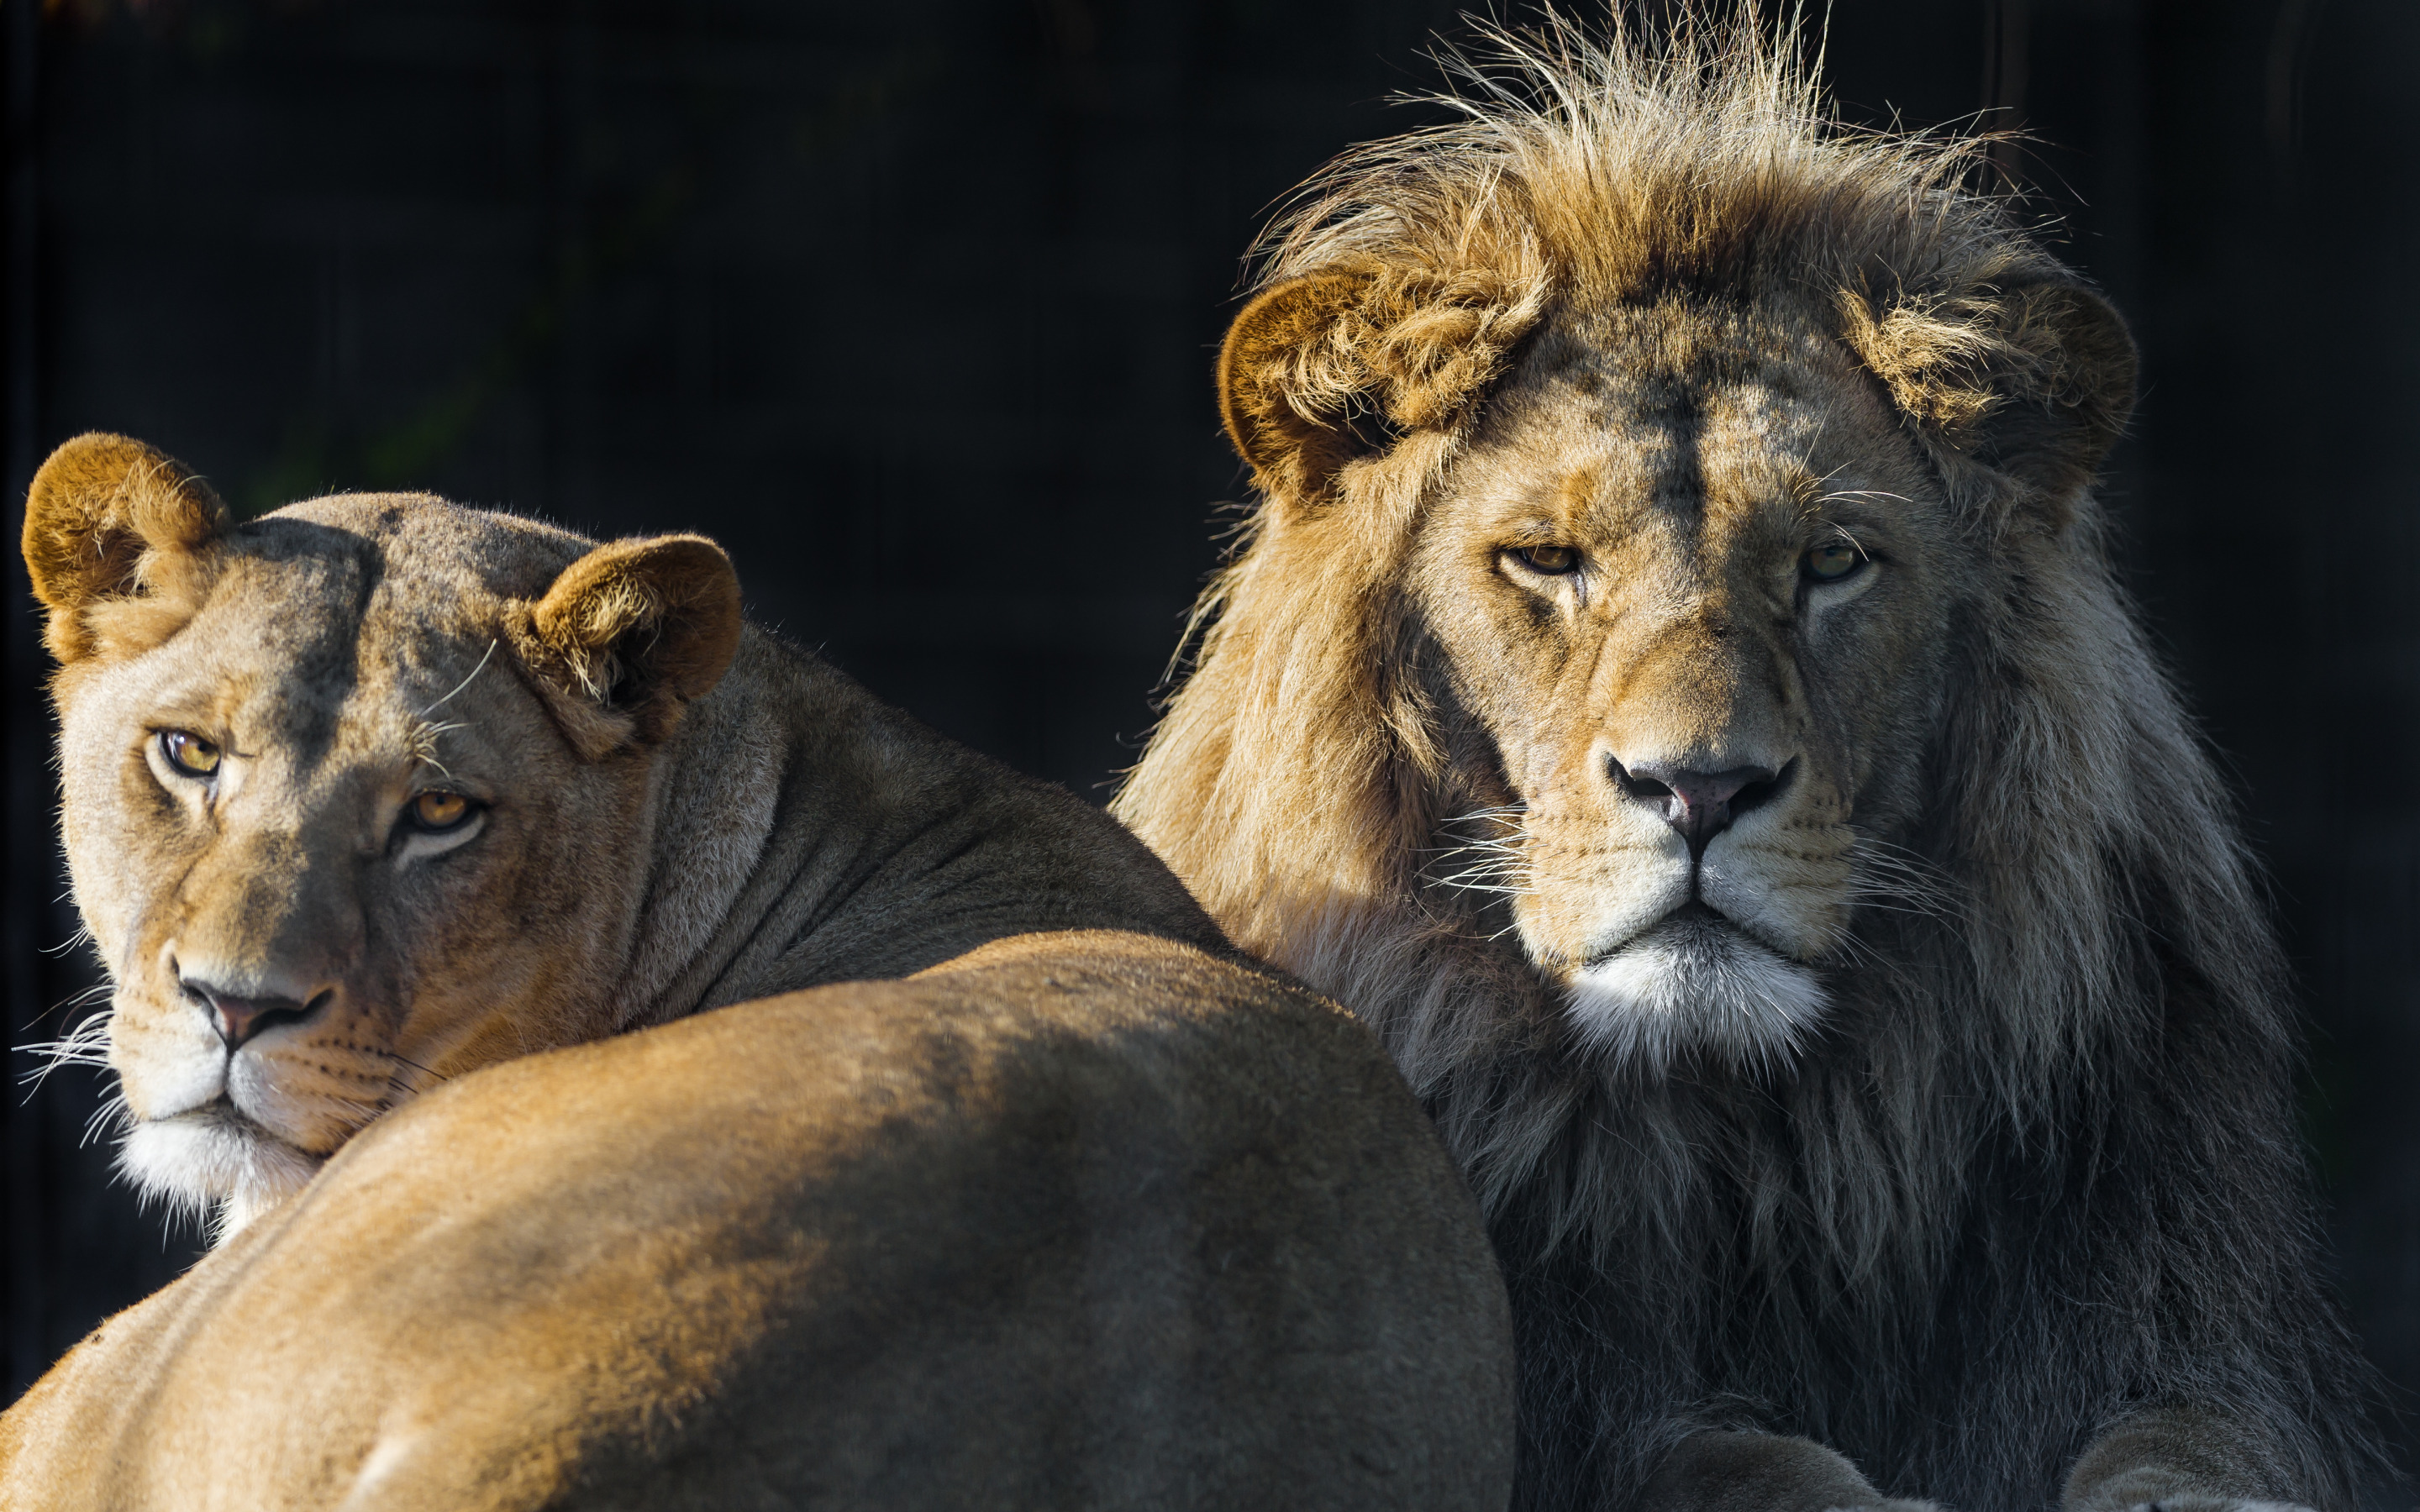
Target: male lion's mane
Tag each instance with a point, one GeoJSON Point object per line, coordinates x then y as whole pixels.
{"type": "Point", "coordinates": [2066, 995]}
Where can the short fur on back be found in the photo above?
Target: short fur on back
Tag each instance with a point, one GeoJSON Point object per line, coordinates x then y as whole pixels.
{"type": "Point", "coordinates": [2023, 1181]}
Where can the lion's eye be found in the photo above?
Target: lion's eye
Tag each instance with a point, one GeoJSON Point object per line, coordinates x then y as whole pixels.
{"type": "Point", "coordinates": [436, 811]}
{"type": "Point", "coordinates": [189, 754]}
{"type": "Point", "coordinates": [1831, 561]}
{"type": "Point", "coordinates": [1553, 561]}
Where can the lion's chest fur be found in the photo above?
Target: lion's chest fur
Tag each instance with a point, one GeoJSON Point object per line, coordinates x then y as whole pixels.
{"type": "Point", "coordinates": [1784, 1258]}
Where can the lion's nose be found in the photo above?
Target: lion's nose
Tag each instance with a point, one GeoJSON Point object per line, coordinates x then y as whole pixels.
{"type": "Point", "coordinates": [238, 1018]}
{"type": "Point", "coordinates": [1700, 804]}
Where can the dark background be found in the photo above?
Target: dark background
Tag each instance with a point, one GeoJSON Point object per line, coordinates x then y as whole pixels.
{"type": "Point", "coordinates": [913, 305]}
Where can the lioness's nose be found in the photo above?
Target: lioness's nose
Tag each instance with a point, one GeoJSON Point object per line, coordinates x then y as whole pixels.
{"type": "Point", "coordinates": [237, 1019]}
{"type": "Point", "coordinates": [1700, 804]}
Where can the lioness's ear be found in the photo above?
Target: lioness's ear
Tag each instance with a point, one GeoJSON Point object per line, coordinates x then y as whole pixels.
{"type": "Point", "coordinates": [97, 508]}
{"type": "Point", "coordinates": [629, 635]}
{"type": "Point", "coordinates": [2034, 381]}
{"type": "Point", "coordinates": [1325, 368]}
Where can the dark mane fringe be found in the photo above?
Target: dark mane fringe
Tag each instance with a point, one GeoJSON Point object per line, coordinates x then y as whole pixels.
{"type": "Point", "coordinates": [2042, 1167]}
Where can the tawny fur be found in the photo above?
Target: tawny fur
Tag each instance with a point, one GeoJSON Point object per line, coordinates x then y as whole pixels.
{"type": "Point", "coordinates": [606, 1160]}
{"type": "Point", "coordinates": [2024, 1216]}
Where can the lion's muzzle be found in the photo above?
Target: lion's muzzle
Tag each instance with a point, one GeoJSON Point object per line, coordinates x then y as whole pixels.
{"type": "Point", "coordinates": [1700, 884]}
{"type": "Point", "coordinates": [1699, 805]}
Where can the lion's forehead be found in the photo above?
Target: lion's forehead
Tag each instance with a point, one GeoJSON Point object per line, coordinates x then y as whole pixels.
{"type": "Point", "coordinates": [1674, 346]}
{"type": "Point", "coordinates": [1688, 434]}
{"type": "Point", "coordinates": [1691, 459]}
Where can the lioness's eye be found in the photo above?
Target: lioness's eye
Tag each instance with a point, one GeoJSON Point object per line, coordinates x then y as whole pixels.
{"type": "Point", "coordinates": [1554, 560]}
{"type": "Point", "coordinates": [1831, 561]}
{"type": "Point", "coordinates": [436, 811]}
{"type": "Point", "coordinates": [189, 754]}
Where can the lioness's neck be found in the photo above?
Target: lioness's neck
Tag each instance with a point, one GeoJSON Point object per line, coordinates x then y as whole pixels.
{"type": "Point", "coordinates": [804, 832]}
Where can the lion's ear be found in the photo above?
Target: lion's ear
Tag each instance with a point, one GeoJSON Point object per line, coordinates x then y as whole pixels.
{"type": "Point", "coordinates": [98, 507]}
{"type": "Point", "coordinates": [1328, 368]}
{"type": "Point", "coordinates": [2034, 381]}
{"type": "Point", "coordinates": [1289, 385]}
{"type": "Point", "coordinates": [629, 635]}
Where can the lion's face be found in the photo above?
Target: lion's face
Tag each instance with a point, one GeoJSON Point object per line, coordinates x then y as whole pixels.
{"type": "Point", "coordinates": [1616, 621]}
{"type": "Point", "coordinates": [335, 830]}
{"type": "Point", "coordinates": [1686, 580]}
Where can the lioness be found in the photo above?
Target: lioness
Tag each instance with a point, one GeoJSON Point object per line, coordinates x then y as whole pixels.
{"type": "Point", "coordinates": [1673, 686]}
{"type": "Point", "coordinates": [376, 805]}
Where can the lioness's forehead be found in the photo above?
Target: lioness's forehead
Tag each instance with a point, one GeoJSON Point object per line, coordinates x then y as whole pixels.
{"type": "Point", "coordinates": [421, 544]}
{"type": "Point", "coordinates": [405, 568]}
{"type": "Point", "coordinates": [353, 611]}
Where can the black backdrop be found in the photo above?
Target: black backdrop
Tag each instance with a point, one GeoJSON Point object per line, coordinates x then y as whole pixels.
{"type": "Point", "coordinates": [913, 305]}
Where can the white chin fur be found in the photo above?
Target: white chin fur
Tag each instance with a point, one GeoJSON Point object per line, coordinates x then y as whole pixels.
{"type": "Point", "coordinates": [208, 1165]}
{"type": "Point", "coordinates": [1689, 986]}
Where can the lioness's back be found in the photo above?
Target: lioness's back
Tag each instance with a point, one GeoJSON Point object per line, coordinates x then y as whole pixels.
{"type": "Point", "coordinates": [1087, 1219]}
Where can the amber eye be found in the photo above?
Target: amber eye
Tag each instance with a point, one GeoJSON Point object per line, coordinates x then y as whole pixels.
{"type": "Point", "coordinates": [189, 754]}
{"type": "Point", "coordinates": [1554, 560]}
{"type": "Point", "coordinates": [435, 812]}
{"type": "Point", "coordinates": [1831, 561]}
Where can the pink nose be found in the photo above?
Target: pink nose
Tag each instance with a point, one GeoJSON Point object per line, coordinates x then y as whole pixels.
{"type": "Point", "coordinates": [1700, 804]}
{"type": "Point", "coordinates": [237, 1019]}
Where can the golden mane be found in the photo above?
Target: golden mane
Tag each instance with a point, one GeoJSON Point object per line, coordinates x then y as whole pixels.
{"type": "Point", "coordinates": [1584, 177]}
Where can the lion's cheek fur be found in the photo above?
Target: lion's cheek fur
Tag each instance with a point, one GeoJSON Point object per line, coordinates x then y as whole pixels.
{"type": "Point", "coordinates": [1587, 885]}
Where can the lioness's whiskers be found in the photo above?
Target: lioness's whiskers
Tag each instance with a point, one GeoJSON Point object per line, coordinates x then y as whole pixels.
{"type": "Point", "coordinates": [86, 1045]}
{"type": "Point", "coordinates": [406, 1060]}
{"type": "Point", "coordinates": [112, 1111]}
{"type": "Point", "coordinates": [463, 684]}
{"type": "Point", "coordinates": [73, 1000]}
{"type": "Point", "coordinates": [81, 937]}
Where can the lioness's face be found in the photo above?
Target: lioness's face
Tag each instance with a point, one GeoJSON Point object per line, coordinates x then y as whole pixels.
{"type": "Point", "coordinates": [331, 845]}
{"type": "Point", "coordinates": [1686, 585]}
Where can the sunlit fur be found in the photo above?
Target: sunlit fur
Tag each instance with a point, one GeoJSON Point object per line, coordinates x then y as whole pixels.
{"type": "Point", "coordinates": [830, 1115]}
{"type": "Point", "coordinates": [2028, 1166]}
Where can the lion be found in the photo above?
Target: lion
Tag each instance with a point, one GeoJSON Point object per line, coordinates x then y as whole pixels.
{"type": "Point", "coordinates": [634, 1068]}
{"type": "Point", "coordinates": [1673, 686]}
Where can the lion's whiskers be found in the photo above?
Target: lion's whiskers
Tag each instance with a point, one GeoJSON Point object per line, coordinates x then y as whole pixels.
{"type": "Point", "coordinates": [1498, 864]}
{"type": "Point", "coordinates": [1896, 880]}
